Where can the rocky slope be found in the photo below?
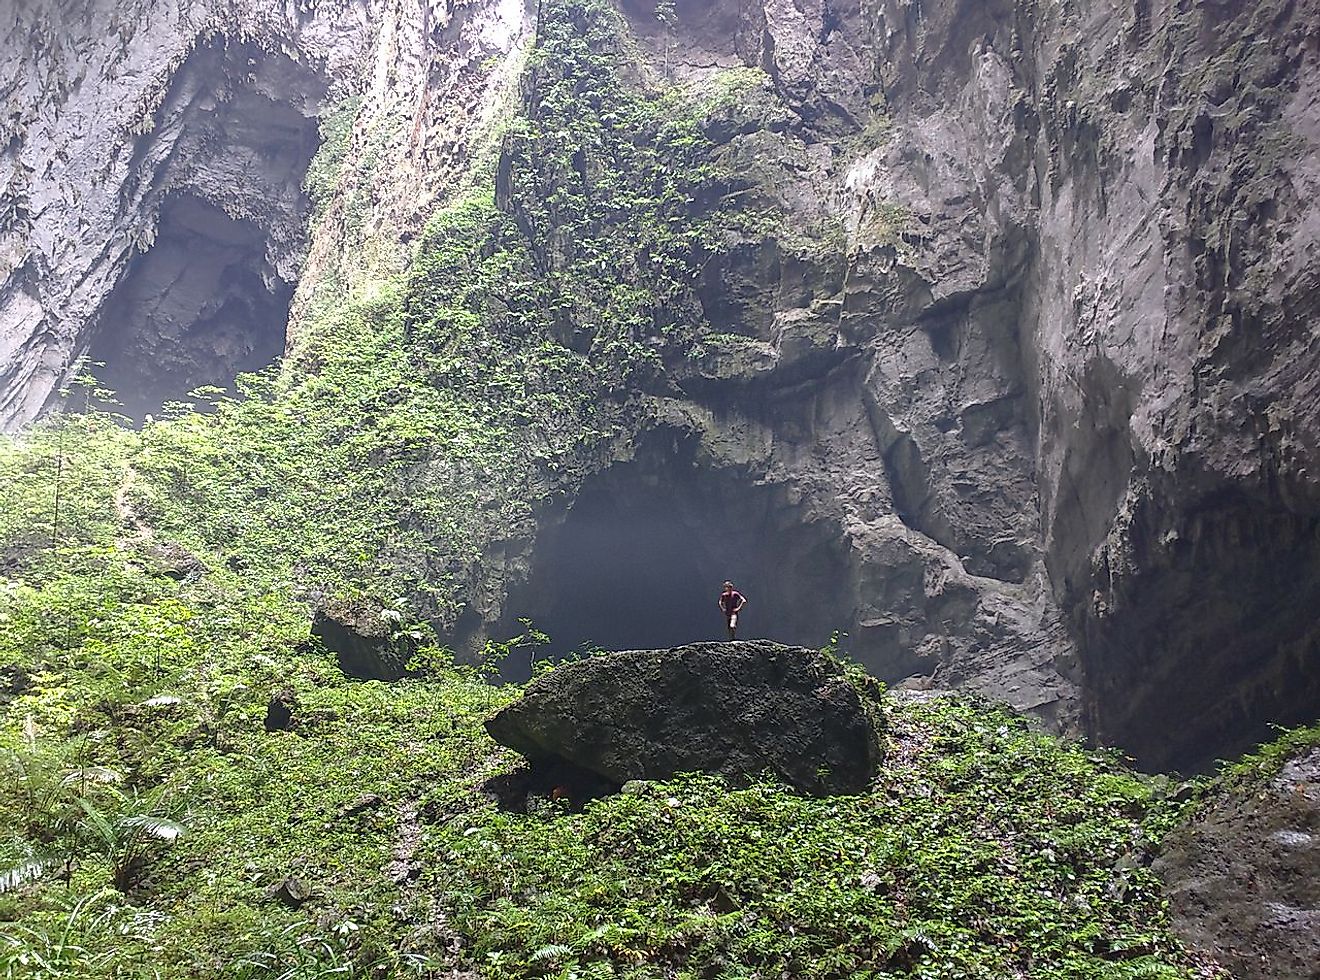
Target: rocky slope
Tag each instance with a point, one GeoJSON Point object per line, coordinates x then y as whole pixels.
{"type": "Point", "coordinates": [1241, 876]}
{"type": "Point", "coordinates": [996, 350]}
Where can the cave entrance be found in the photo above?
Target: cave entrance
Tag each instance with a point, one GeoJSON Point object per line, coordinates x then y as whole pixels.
{"type": "Point", "coordinates": [208, 298]}
{"type": "Point", "coordinates": [638, 560]}
{"type": "Point", "coordinates": [198, 308]}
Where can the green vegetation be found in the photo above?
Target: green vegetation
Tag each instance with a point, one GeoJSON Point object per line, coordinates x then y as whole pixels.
{"type": "Point", "coordinates": [155, 589]}
{"type": "Point", "coordinates": [618, 194]}
{"type": "Point", "coordinates": [985, 850]}
{"type": "Point", "coordinates": [323, 173]}
{"type": "Point", "coordinates": [1261, 765]}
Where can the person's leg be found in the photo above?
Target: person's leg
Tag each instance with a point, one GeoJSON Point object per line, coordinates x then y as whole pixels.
{"type": "Point", "coordinates": [733, 627]}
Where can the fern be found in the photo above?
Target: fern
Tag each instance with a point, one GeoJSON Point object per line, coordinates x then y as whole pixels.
{"type": "Point", "coordinates": [552, 952]}
{"type": "Point", "coordinates": [158, 827]}
{"type": "Point", "coordinates": [127, 838]}
{"type": "Point", "coordinates": [1145, 968]}
{"type": "Point", "coordinates": [91, 774]}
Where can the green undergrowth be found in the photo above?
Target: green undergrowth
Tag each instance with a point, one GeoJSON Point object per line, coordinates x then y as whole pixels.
{"type": "Point", "coordinates": [156, 587]}
{"type": "Point", "coordinates": [986, 849]}
{"type": "Point", "coordinates": [1259, 766]}
{"type": "Point", "coordinates": [324, 172]}
{"type": "Point", "coordinates": [618, 192]}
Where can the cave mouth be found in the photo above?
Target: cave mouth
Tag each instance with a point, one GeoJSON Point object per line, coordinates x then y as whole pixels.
{"type": "Point", "coordinates": [638, 560]}
{"type": "Point", "coordinates": [208, 298]}
{"type": "Point", "coordinates": [198, 308]}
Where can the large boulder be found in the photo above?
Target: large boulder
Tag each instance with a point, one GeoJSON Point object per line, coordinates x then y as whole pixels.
{"type": "Point", "coordinates": [365, 639]}
{"type": "Point", "coordinates": [1243, 877]}
{"type": "Point", "coordinates": [738, 708]}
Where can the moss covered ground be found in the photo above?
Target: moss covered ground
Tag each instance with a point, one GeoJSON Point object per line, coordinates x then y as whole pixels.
{"type": "Point", "coordinates": [985, 849]}
{"type": "Point", "coordinates": [155, 588]}
{"type": "Point", "coordinates": [151, 818]}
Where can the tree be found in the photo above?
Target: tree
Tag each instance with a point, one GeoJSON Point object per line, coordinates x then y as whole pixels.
{"type": "Point", "coordinates": [667, 14]}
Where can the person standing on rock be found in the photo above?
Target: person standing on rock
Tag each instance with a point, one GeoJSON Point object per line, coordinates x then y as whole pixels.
{"type": "Point", "coordinates": [731, 603]}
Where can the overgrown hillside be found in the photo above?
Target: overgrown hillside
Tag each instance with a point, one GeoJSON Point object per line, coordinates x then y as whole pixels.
{"type": "Point", "coordinates": [160, 830]}
{"type": "Point", "coordinates": [192, 788]}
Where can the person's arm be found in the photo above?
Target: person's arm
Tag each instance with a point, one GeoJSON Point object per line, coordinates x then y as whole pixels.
{"type": "Point", "coordinates": [742, 601]}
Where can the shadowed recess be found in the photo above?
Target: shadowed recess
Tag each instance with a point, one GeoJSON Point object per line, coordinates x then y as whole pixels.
{"type": "Point", "coordinates": [198, 308]}
{"type": "Point", "coordinates": [208, 297]}
{"type": "Point", "coordinates": [638, 561]}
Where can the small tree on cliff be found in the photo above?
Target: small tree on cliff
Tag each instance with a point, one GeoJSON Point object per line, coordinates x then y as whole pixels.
{"type": "Point", "coordinates": [667, 14]}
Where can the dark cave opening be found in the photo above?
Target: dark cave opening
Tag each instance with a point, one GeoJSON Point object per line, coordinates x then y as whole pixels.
{"type": "Point", "coordinates": [197, 308]}
{"type": "Point", "coordinates": [209, 297]}
{"type": "Point", "coordinates": [638, 560]}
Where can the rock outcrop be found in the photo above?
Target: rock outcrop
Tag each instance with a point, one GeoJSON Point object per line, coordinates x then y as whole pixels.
{"type": "Point", "coordinates": [151, 201]}
{"type": "Point", "coordinates": [852, 463]}
{"type": "Point", "coordinates": [366, 640]}
{"type": "Point", "coordinates": [1012, 370]}
{"type": "Point", "coordinates": [1243, 877]}
{"type": "Point", "coordinates": [738, 708]}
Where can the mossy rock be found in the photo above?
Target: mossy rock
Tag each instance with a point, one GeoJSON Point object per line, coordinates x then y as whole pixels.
{"type": "Point", "coordinates": [740, 709]}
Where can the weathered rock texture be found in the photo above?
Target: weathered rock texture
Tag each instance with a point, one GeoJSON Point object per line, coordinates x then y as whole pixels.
{"type": "Point", "coordinates": [367, 642]}
{"type": "Point", "coordinates": [1068, 355]}
{"type": "Point", "coordinates": [1139, 181]}
{"type": "Point", "coordinates": [739, 708]}
{"type": "Point", "coordinates": [1243, 878]}
{"type": "Point", "coordinates": [151, 186]}
{"type": "Point", "coordinates": [1017, 371]}
{"type": "Point", "coordinates": [851, 465]}
{"type": "Point", "coordinates": [152, 208]}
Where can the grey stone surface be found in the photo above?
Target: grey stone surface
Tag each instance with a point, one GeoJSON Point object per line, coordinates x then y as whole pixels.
{"type": "Point", "coordinates": [1243, 877]}
{"type": "Point", "coordinates": [737, 708]}
{"type": "Point", "coordinates": [1139, 185]}
{"type": "Point", "coordinates": [152, 212]}
{"type": "Point", "coordinates": [1078, 290]}
{"type": "Point", "coordinates": [364, 640]}
{"type": "Point", "coordinates": [152, 148]}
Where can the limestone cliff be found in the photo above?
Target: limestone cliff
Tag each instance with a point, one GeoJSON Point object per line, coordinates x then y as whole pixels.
{"type": "Point", "coordinates": [998, 355]}
{"type": "Point", "coordinates": [154, 205]}
{"type": "Point", "coordinates": [1155, 166]}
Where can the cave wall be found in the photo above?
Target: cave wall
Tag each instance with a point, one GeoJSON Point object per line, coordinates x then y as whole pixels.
{"type": "Point", "coordinates": [1077, 289]}
{"type": "Point", "coordinates": [1030, 339]}
{"type": "Point", "coordinates": [1161, 161]}
{"type": "Point", "coordinates": [116, 110]}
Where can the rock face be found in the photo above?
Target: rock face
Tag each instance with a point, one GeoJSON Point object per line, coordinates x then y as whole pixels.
{"type": "Point", "coordinates": [280, 712]}
{"type": "Point", "coordinates": [151, 202]}
{"type": "Point", "coordinates": [1243, 878]}
{"type": "Point", "coordinates": [153, 209]}
{"type": "Point", "coordinates": [1049, 416]}
{"type": "Point", "coordinates": [736, 708]}
{"type": "Point", "coordinates": [1139, 186]}
{"type": "Point", "coordinates": [856, 449]}
{"type": "Point", "coordinates": [364, 641]}
{"type": "Point", "coordinates": [14, 680]}
{"type": "Point", "coordinates": [1015, 369]}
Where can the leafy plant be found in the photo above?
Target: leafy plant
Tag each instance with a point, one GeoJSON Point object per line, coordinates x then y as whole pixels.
{"type": "Point", "coordinates": [127, 833]}
{"type": "Point", "coordinates": [92, 934]}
